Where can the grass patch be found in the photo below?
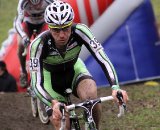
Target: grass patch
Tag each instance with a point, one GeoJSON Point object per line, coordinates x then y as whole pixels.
{"type": "Point", "coordinates": [156, 8]}
{"type": "Point", "coordinates": [143, 110]}
{"type": "Point", "coordinates": [7, 13]}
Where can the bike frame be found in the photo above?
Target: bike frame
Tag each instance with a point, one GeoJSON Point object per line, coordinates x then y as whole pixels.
{"type": "Point", "coordinates": [88, 106]}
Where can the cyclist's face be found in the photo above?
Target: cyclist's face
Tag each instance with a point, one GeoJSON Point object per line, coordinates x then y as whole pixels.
{"type": "Point", "coordinates": [61, 35]}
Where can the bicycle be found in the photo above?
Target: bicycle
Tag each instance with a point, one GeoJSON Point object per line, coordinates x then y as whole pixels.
{"type": "Point", "coordinates": [87, 106]}
{"type": "Point", "coordinates": [37, 107]}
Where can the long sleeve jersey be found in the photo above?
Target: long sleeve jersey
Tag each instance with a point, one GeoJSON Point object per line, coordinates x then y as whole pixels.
{"type": "Point", "coordinates": [45, 55]}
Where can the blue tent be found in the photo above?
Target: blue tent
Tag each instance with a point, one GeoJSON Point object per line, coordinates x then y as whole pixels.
{"type": "Point", "coordinates": [133, 49]}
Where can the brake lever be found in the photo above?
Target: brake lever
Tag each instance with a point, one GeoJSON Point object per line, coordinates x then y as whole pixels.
{"type": "Point", "coordinates": [62, 108]}
{"type": "Point", "coordinates": [120, 98]}
{"type": "Point", "coordinates": [63, 120]}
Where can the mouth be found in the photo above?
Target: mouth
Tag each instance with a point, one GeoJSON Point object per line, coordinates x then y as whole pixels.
{"type": "Point", "coordinates": [62, 41]}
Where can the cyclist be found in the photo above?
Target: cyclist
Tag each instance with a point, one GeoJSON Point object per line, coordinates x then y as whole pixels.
{"type": "Point", "coordinates": [55, 66]}
{"type": "Point", "coordinates": [30, 16]}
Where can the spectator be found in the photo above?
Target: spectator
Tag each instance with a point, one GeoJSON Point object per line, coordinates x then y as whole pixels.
{"type": "Point", "coordinates": [7, 81]}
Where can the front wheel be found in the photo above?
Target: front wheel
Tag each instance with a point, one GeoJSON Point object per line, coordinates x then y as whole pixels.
{"type": "Point", "coordinates": [34, 106]}
{"type": "Point", "coordinates": [42, 113]}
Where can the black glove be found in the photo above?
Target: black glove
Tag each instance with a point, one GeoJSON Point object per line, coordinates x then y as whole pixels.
{"type": "Point", "coordinates": [25, 41]}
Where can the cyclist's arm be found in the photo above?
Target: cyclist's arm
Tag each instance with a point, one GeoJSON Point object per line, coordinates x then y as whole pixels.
{"type": "Point", "coordinates": [36, 54]}
{"type": "Point", "coordinates": [19, 18]}
{"type": "Point", "coordinates": [97, 51]}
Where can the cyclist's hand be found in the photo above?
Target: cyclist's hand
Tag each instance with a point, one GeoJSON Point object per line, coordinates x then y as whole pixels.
{"type": "Point", "coordinates": [56, 110]}
{"type": "Point", "coordinates": [25, 41]}
{"type": "Point", "coordinates": [124, 95]}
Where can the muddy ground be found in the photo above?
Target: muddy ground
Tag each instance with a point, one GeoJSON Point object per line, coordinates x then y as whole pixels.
{"type": "Point", "coordinates": [16, 112]}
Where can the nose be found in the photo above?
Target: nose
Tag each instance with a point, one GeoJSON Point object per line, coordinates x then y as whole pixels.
{"type": "Point", "coordinates": [61, 33]}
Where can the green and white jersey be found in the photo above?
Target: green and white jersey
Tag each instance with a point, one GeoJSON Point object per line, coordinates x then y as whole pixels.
{"type": "Point", "coordinates": [47, 63]}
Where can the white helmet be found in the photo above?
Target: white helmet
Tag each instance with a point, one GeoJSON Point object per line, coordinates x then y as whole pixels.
{"type": "Point", "coordinates": [59, 13]}
{"type": "Point", "coordinates": [35, 2]}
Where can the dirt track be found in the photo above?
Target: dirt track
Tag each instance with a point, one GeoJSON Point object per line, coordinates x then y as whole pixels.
{"type": "Point", "coordinates": [16, 113]}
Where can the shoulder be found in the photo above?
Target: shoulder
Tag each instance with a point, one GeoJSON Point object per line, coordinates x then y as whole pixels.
{"type": "Point", "coordinates": [81, 26]}
{"type": "Point", "coordinates": [44, 35]}
{"type": "Point", "coordinates": [41, 38]}
{"type": "Point", "coordinates": [10, 78]}
{"type": "Point", "coordinates": [82, 29]}
{"type": "Point", "coordinates": [22, 4]}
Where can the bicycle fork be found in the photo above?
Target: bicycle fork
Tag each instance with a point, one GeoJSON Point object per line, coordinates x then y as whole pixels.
{"type": "Point", "coordinates": [89, 122]}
